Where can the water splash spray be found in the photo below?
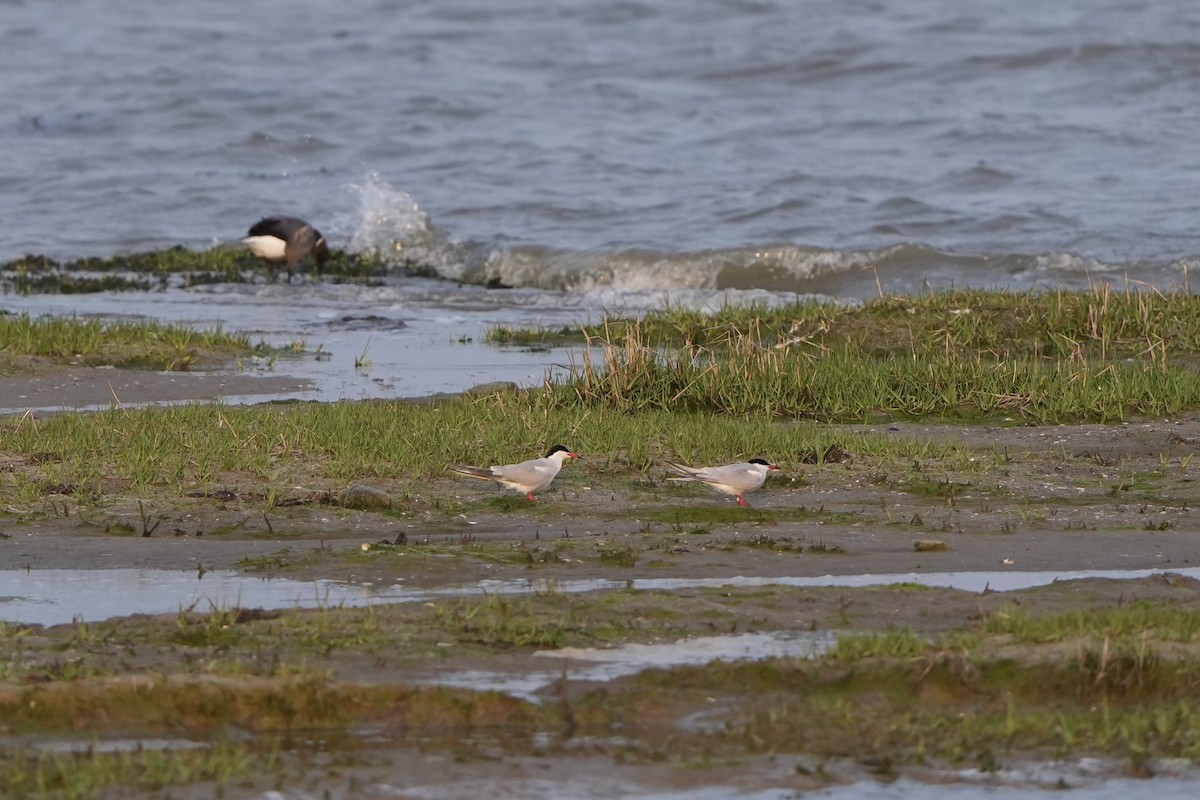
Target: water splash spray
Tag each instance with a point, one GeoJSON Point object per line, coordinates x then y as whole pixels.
{"type": "Point", "coordinates": [391, 226]}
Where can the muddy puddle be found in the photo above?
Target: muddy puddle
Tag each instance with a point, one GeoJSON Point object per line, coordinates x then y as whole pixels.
{"type": "Point", "coordinates": [56, 597]}
{"type": "Point", "coordinates": [990, 789]}
{"type": "Point", "coordinates": [594, 664]}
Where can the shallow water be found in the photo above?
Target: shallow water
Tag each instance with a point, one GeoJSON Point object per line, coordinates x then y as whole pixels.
{"type": "Point", "coordinates": [58, 596]}
{"type": "Point", "coordinates": [595, 157]}
{"type": "Point", "coordinates": [54, 597]}
{"type": "Point", "coordinates": [413, 338]}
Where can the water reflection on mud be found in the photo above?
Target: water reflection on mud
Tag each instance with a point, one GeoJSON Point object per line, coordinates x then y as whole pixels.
{"type": "Point", "coordinates": [593, 664]}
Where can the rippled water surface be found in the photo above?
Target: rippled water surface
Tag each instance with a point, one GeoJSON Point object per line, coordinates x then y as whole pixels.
{"type": "Point", "coordinates": [579, 145]}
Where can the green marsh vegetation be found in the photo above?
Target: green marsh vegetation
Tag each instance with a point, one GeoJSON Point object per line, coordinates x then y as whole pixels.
{"type": "Point", "coordinates": [702, 388]}
{"type": "Point", "coordinates": [26, 772]}
{"type": "Point", "coordinates": [120, 343]}
{"type": "Point", "coordinates": [1101, 355]}
{"type": "Point", "coordinates": [1102, 322]}
{"type": "Point", "coordinates": [205, 448]}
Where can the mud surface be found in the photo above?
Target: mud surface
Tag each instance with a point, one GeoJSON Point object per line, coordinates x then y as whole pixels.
{"type": "Point", "coordinates": [69, 388]}
{"type": "Point", "coordinates": [1077, 497]}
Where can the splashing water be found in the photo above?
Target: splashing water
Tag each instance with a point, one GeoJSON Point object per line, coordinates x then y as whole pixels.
{"type": "Point", "coordinates": [392, 227]}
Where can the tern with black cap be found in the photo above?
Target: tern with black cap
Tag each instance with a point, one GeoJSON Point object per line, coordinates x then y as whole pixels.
{"type": "Point", "coordinates": [732, 479]}
{"type": "Point", "coordinates": [526, 476]}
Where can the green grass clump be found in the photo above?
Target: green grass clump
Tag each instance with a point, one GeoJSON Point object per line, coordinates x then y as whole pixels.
{"type": "Point", "coordinates": [1099, 323]}
{"type": "Point", "coordinates": [844, 385]}
{"type": "Point", "coordinates": [891, 644]}
{"type": "Point", "coordinates": [204, 447]}
{"type": "Point", "coordinates": [122, 343]}
{"type": "Point", "coordinates": [1097, 356]}
{"type": "Point", "coordinates": [501, 621]}
{"type": "Point", "coordinates": [1130, 624]}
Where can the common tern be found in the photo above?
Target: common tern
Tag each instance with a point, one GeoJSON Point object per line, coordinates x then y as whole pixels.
{"type": "Point", "coordinates": [527, 476]}
{"type": "Point", "coordinates": [732, 479]}
{"type": "Point", "coordinates": [286, 240]}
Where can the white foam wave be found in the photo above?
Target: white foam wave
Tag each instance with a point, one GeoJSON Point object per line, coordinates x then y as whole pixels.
{"type": "Point", "coordinates": [392, 227]}
{"type": "Point", "coordinates": [787, 268]}
{"type": "Point", "coordinates": [1070, 263]}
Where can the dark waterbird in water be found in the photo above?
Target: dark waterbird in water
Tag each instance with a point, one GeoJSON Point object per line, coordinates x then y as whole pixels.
{"type": "Point", "coordinates": [286, 240]}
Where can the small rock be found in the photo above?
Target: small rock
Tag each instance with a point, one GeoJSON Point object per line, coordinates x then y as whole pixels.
{"type": "Point", "coordinates": [365, 498]}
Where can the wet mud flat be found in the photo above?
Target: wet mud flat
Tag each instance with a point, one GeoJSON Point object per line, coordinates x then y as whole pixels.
{"type": "Point", "coordinates": [79, 388]}
{"type": "Point", "coordinates": [471, 688]}
{"type": "Point", "coordinates": [441, 698]}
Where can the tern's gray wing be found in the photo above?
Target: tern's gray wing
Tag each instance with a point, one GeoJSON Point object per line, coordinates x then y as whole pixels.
{"type": "Point", "coordinates": [740, 477]}
{"type": "Point", "coordinates": [529, 475]}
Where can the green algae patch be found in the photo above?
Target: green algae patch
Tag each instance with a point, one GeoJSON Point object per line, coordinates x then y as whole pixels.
{"type": "Point", "coordinates": [178, 266]}
{"type": "Point", "coordinates": [535, 336]}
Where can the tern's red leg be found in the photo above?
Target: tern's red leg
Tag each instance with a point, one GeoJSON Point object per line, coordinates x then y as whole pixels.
{"type": "Point", "coordinates": [532, 499]}
{"type": "Point", "coordinates": [742, 501]}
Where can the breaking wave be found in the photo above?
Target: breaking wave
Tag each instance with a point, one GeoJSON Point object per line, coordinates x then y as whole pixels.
{"type": "Point", "coordinates": [392, 227]}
